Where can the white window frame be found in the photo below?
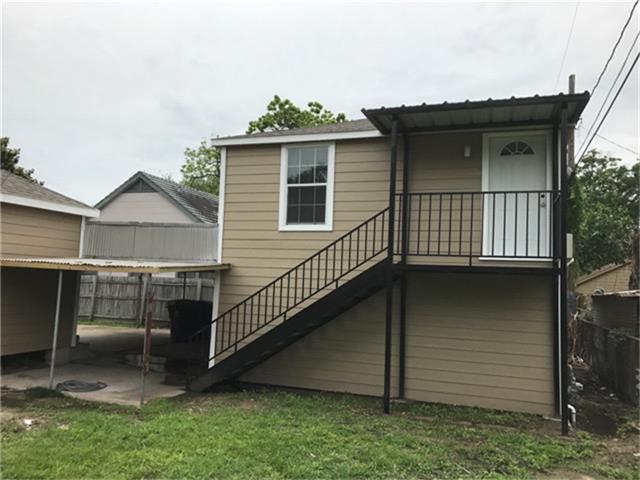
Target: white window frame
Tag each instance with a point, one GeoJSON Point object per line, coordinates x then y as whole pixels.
{"type": "Point", "coordinates": [327, 226]}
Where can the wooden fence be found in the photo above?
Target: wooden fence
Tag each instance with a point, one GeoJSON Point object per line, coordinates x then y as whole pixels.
{"type": "Point", "coordinates": [122, 298]}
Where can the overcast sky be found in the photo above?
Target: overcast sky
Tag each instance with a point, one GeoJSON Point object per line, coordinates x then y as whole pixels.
{"type": "Point", "coordinates": [94, 92]}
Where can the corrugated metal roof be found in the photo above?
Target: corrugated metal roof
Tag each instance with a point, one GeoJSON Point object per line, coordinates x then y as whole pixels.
{"type": "Point", "coordinates": [21, 187]}
{"type": "Point", "coordinates": [111, 265]}
{"type": "Point", "coordinates": [535, 110]}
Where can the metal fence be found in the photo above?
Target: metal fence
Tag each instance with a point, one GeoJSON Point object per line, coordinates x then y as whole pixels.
{"type": "Point", "coordinates": [166, 241]}
{"type": "Point", "coordinates": [122, 298]}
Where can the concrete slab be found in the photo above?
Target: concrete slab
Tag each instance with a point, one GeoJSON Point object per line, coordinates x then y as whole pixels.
{"type": "Point", "coordinates": [108, 347]}
{"type": "Point", "coordinates": [123, 383]}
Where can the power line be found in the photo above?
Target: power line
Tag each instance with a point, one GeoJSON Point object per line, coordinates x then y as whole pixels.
{"type": "Point", "coordinates": [635, 61]}
{"type": "Point", "coordinates": [615, 46]}
{"type": "Point", "coordinates": [604, 102]}
{"type": "Point", "coordinates": [566, 47]}
{"type": "Point", "coordinates": [617, 144]}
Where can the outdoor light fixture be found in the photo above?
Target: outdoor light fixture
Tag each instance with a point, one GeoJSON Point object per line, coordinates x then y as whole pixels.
{"type": "Point", "coordinates": [467, 151]}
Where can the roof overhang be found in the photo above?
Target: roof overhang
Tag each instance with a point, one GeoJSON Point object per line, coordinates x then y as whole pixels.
{"type": "Point", "coordinates": [51, 206]}
{"type": "Point", "coordinates": [484, 114]}
{"type": "Point", "coordinates": [295, 138]}
{"type": "Point", "coordinates": [111, 265]}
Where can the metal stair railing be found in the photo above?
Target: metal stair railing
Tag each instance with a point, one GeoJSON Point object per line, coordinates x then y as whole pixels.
{"type": "Point", "coordinates": [299, 284]}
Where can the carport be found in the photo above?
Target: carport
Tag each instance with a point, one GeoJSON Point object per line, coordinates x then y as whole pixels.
{"type": "Point", "coordinates": [147, 268]}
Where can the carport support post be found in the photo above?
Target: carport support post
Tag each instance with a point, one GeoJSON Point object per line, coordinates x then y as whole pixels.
{"type": "Point", "coordinates": [56, 326]}
{"type": "Point", "coordinates": [146, 348]}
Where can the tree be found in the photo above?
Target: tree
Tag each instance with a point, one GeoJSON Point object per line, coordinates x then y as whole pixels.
{"type": "Point", "coordinates": [283, 114]}
{"type": "Point", "coordinates": [604, 206]}
{"type": "Point", "coordinates": [9, 159]}
{"type": "Point", "coordinates": [201, 170]}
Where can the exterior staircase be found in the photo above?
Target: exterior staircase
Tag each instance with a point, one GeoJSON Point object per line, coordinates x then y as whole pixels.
{"type": "Point", "coordinates": [317, 290]}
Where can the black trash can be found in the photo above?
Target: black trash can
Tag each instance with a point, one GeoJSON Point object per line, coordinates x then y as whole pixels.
{"type": "Point", "coordinates": [187, 317]}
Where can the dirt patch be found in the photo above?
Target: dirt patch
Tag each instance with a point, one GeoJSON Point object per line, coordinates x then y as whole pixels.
{"type": "Point", "coordinates": [600, 411]}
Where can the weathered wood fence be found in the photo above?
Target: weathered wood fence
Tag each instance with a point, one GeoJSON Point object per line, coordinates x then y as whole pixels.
{"type": "Point", "coordinates": [122, 298]}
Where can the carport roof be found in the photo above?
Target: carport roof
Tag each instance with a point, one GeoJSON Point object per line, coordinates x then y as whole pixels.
{"type": "Point", "coordinates": [490, 113]}
{"type": "Point", "coordinates": [111, 265]}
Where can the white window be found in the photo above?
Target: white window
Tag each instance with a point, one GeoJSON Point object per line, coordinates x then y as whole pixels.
{"type": "Point", "coordinates": [306, 187]}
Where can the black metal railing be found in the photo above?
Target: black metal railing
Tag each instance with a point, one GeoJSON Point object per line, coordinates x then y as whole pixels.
{"type": "Point", "coordinates": [276, 300]}
{"type": "Point", "coordinates": [500, 224]}
{"type": "Point", "coordinates": [505, 224]}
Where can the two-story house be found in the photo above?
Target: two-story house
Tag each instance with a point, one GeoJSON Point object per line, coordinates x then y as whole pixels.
{"type": "Point", "coordinates": [419, 253]}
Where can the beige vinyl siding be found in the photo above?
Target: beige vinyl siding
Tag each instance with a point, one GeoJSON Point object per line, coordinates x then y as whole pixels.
{"type": "Point", "coordinates": [259, 252]}
{"type": "Point", "coordinates": [481, 340]}
{"type": "Point", "coordinates": [32, 232]}
{"type": "Point", "coordinates": [252, 243]}
{"type": "Point", "coordinates": [28, 301]}
{"type": "Point", "coordinates": [142, 207]}
{"type": "Point", "coordinates": [615, 280]}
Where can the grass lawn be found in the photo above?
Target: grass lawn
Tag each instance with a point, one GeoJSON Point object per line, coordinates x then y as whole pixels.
{"type": "Point", "coordinates": [271, 434]}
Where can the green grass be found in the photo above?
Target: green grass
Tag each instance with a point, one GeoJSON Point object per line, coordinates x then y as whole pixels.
{"type": "Point", "coordinates": [272, 434]}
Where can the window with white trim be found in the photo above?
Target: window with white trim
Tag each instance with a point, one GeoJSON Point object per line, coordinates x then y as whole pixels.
{"type": "Point", "coordinates": [306, 189]}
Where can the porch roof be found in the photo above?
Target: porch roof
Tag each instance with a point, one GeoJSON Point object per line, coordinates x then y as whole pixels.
{"type": "Point", "coordinates": [490, 113]}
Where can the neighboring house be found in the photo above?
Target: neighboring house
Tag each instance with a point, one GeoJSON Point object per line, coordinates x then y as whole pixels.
{"type": "Point", "coordinates": [459, 298]}
{"type": "Point", "coordinates": [151, 218]}
{"type": "Point", "coordinates": [610, 278]}
{"type": "Point", "coordinates": [37, 222]}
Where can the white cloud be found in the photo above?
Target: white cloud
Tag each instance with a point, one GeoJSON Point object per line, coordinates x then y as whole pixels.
{"type": "Point", "coordinates": [94, 92]}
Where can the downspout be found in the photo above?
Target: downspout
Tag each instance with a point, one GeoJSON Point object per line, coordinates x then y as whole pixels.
{"type": "Point", "coordinates": [390, 252]}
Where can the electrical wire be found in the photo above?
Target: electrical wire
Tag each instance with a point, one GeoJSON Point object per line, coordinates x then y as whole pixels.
{"type": "Point", "coordinates": [604, 102]}
{"type": "Point", "coordinates": [617, 144]}
{"type": "Point", "coordinates": [586, 149]}
{"type": "Point", "coordinates": [615, 46]}
{"type": "Point", "coordinates": [566, 47]}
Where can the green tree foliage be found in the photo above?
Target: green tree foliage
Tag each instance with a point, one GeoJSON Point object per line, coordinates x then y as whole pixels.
{"type": "Point", "coordinates": [201, 169]}
{"type": "Point", "coordinates": [604, 206]}
{"type": "Point", "coordinates": [10, 158]}
{"type": "Point", "coordinates": [283, 114]}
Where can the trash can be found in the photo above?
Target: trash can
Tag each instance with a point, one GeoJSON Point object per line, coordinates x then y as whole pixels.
{"type": "Point", "coordinates": [186, 317]}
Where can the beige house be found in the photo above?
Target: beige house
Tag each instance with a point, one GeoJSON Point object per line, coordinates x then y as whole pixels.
{"type": "Point", "coordinates": [610, 278]}
{"type": "Point", "coordinates": [37, 222]}
{"type": "Point", "coordinates": [418, 253]}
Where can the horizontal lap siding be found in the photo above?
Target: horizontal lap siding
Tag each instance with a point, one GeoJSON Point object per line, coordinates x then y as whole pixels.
{"type": "Point", "coordinates": [613, 281]}
{"type": "Point", "coordinates": [482, 340]}
{"type": "Point", "coordinates": [346, 355]}
{"type": "Point", "coordinates": [257, 251]}
{"type": "Point", "coordinates": [28, 309]}
{"type": "Point", "coordinates": [31, 232]}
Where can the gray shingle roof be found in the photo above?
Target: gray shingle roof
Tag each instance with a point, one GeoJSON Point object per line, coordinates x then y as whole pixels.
{"type": "Point", "coordinates": [362, 125]}
{"type": "Point", "coordinates": [201, 206]}
{"type": "Point", "coordinates": [21, 187]}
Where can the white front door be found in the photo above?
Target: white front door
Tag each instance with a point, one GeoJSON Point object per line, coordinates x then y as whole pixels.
{"type": "Point", "coordinates": [516, 204]}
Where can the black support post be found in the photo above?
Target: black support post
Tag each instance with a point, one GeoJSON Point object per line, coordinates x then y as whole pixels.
{"type": "Point", "coordinates": [564, 202]}
{"type": "Point", "coordinates": [555, 284]}
{"type": "Point", "coordinates": [390, 251]}
{"type": "Point", "coordinates": [406, 207]}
